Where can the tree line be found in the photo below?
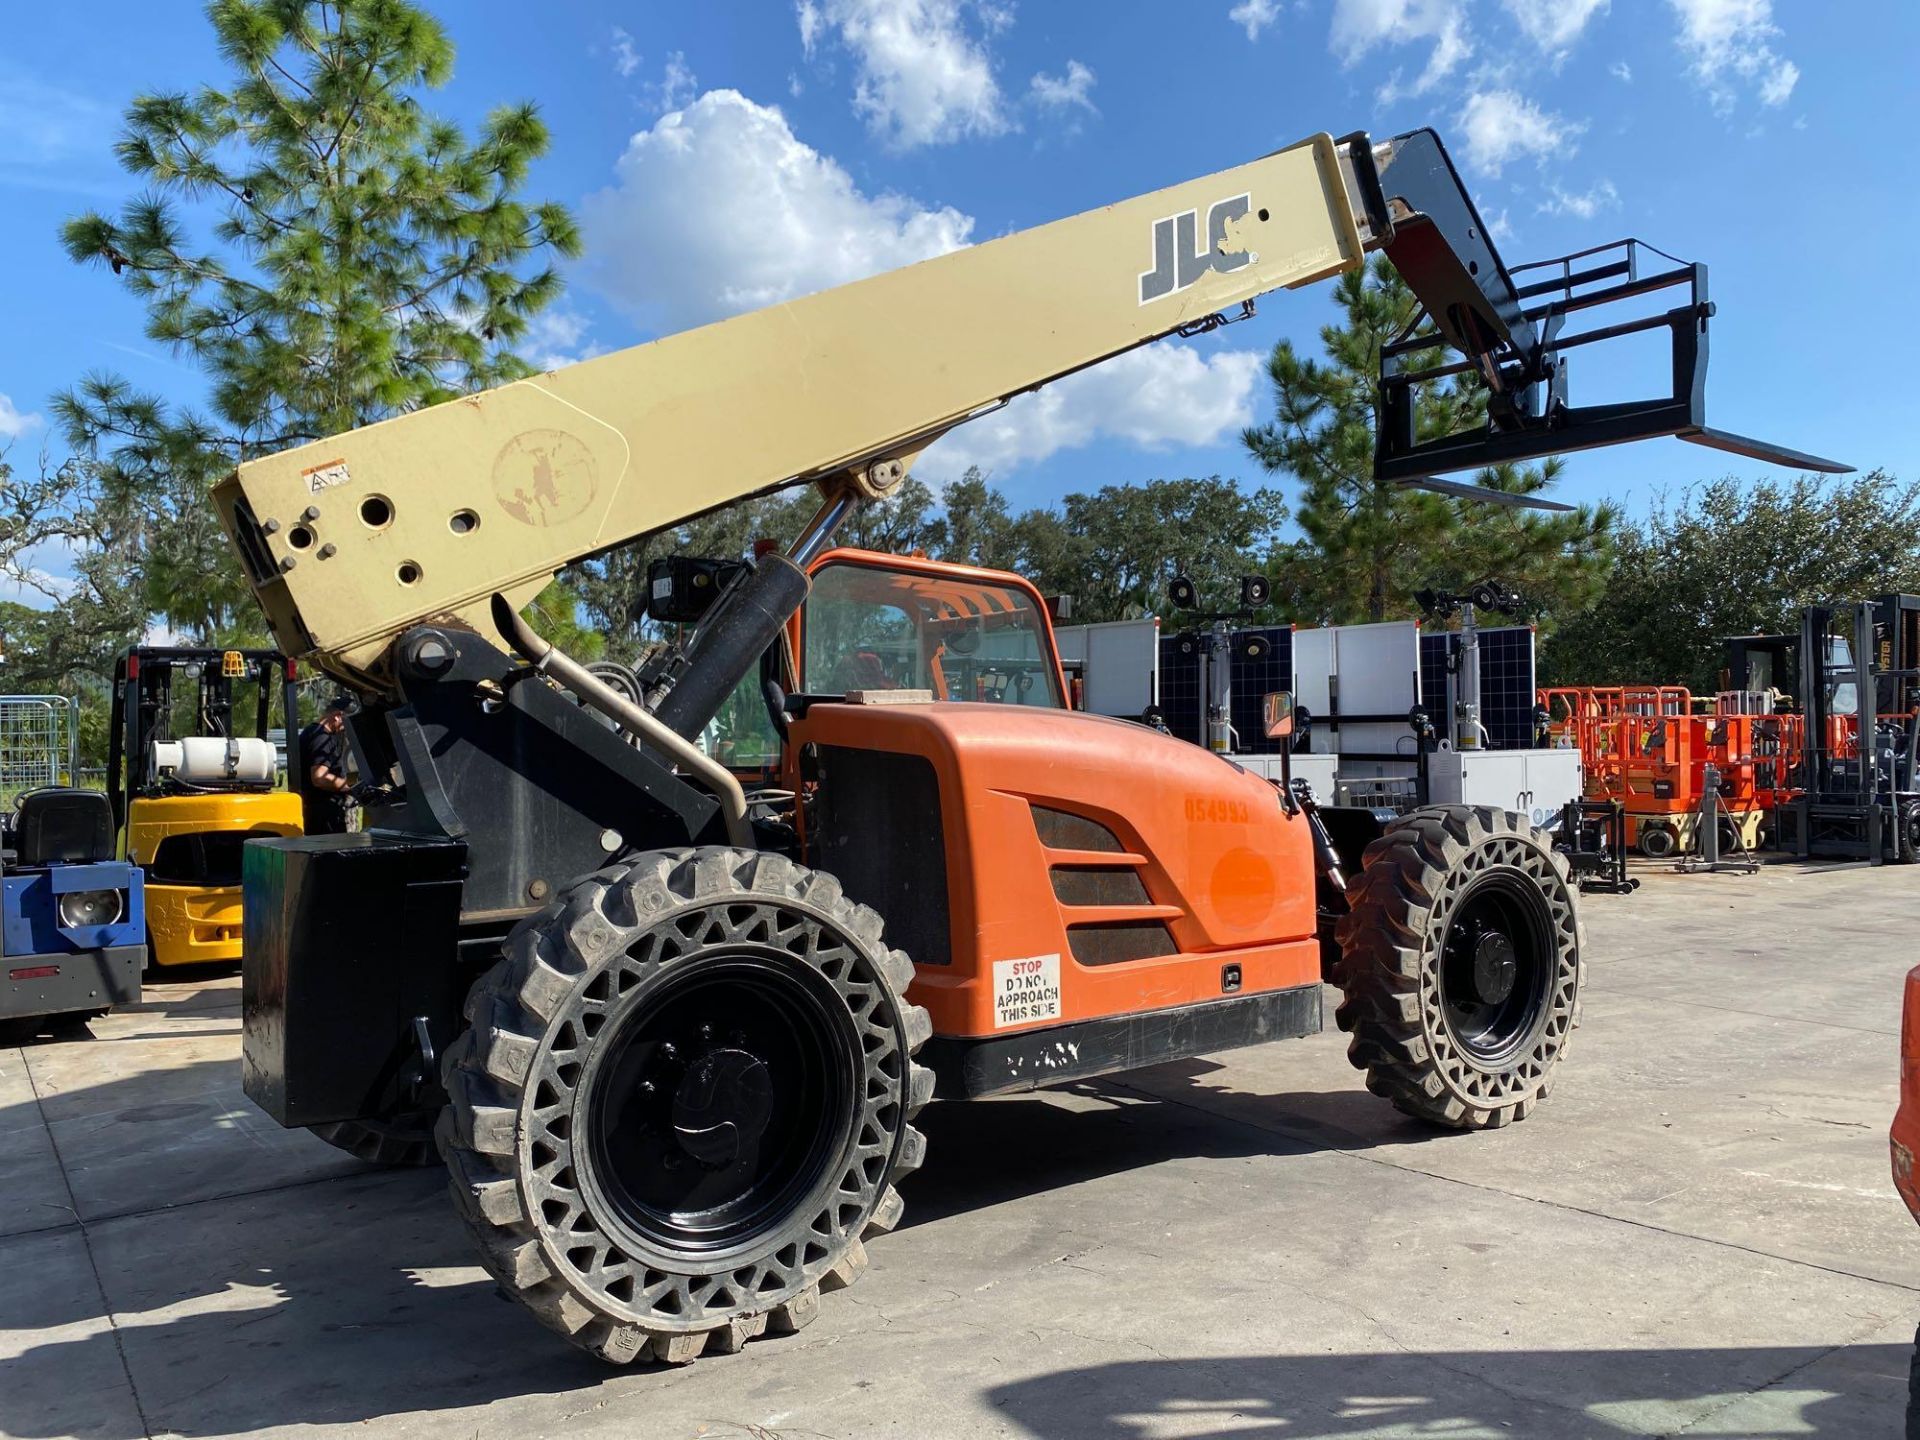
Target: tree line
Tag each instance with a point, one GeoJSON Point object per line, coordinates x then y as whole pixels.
{"type": "Point", "coordinates": [327, 253]}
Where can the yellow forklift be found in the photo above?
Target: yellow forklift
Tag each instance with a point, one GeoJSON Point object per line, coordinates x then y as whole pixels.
{"type": "Point", "coordinates": [191, 783]}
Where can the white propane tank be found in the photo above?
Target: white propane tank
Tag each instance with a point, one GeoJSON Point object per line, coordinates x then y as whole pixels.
{"type": "Point", "coordinates": [209, 760]}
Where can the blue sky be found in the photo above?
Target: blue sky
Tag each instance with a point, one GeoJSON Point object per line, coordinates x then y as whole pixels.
{"type": "Point", "coordinates": [727, 154]}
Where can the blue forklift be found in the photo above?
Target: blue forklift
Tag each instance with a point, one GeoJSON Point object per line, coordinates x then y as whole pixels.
{"type": "Point", "coordinates": [72, 915]}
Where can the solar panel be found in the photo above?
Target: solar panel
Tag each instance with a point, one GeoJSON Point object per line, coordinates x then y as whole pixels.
{"type": "Point", "coordinates": [1436, 684]}
{"type": "Point", "coordinates": [1506, 683]}
{"type": "Point", "coordinates": [1507, 686]}
{"type": "Point", "coordinates": [1180, 686]}
{"type": "Point", "coordinates": [1253, 676]}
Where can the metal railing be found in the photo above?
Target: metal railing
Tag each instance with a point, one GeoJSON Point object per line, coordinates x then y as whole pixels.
{"type": "Point", "coordinates": [39, 740]}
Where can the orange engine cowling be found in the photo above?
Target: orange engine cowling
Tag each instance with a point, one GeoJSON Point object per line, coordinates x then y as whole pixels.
{"type": "Point", "coordinates": [1049, 870]}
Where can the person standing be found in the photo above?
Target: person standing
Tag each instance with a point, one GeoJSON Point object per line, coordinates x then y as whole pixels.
{"type": "Point", "coordinates": [324, 785]}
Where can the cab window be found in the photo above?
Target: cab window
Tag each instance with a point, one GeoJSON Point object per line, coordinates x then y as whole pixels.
{"type": "Point", "coordinates": [742, 736]}
{"type": "Point", "coordinates": [867, 627]}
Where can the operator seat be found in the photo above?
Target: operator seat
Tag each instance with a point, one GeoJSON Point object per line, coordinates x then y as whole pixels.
{"type": "Point", "coordinates": [63, 826]}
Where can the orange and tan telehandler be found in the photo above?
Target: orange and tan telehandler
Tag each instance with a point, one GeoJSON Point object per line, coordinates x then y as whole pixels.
{"type": "Point", "coordinates": [670, 1036]}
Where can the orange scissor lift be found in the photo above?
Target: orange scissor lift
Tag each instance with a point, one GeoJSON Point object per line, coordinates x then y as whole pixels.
{"type": "Point", "coordinates": [1648, 747]}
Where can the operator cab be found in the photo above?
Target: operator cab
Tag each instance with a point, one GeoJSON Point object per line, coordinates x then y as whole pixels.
{"type": "Point", "coordinates": [875, 622]}
{"type": "Point", "coordinates": [887, 622]}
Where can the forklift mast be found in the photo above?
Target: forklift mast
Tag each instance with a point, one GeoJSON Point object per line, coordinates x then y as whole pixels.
{"type": "Point", "coordinates": [1858, 691]}
{"type": "Point", "coordinates": [144, 700]}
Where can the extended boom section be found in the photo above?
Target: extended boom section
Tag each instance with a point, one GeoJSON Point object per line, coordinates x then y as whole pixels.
{"type": "Point", "coordinates": [351, 540]}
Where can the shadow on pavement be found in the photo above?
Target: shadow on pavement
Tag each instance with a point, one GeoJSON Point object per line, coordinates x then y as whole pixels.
{"type": "Point", "coordinates": [25, 1033]}
{"type": "Point", "coordinates": [172, 989]}
{"type": "Point", "coordinates": [987, 1152]}
{"type": "Point", "coordinates": [344, 1298]}
{"type": "Point", "coordinates": [1541, 1395]}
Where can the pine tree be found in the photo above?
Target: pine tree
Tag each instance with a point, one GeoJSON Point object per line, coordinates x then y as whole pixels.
{"type": "Point", "coordinates": [369, 259]}
{"type": "Point", "coordinates": [1367, 545]}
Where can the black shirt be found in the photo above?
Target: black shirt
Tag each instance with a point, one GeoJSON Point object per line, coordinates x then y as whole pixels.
{"type": "Point", "coordinates": [319, 746]}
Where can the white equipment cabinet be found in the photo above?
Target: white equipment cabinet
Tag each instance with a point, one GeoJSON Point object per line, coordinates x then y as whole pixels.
{"type": "Point", "coordinates": [1316, 770]}
{"type": "Point", "coordinates": [1119, 664]}
{"type": "Point", "coordinates": [1534, 783]}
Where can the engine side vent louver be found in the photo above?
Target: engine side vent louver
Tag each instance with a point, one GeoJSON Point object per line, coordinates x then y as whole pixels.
{"type": "Point", "coordinates": [1098, 885]}
{"type": "Point", "coordinates": [1116, 944]}
{"type": "Point", "coordinates": [1061, 830]}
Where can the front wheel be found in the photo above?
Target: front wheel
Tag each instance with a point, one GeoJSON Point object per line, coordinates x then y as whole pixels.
{"type": "Point", "coordinates": [1460, 966]}
{"type": "Point", "coordinates": [684, 1101]}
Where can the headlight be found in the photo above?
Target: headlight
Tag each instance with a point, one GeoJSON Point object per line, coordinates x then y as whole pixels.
{"type": "Point", "coordinates": [89, 907]}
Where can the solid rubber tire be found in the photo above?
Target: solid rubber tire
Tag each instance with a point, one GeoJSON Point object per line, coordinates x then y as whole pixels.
{"type": "Point", "coordinates": [505, 1079]}
{"type": "Point", "coordinates": [1389, 969]}
{"type": "Point", "coordinates": [405, 1140]}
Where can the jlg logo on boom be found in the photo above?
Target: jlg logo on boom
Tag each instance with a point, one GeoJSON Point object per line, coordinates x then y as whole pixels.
{"type": "Point", "coordinates": [1179, 260]}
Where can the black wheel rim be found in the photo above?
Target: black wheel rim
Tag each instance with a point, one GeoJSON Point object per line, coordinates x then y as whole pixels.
{"type": "Point", "coordinates": [720, 1102]}
{"type": "Point", "coordinates": [1496, 966]}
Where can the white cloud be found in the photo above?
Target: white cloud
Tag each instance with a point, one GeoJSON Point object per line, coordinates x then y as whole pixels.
{"type": "Point", "coordinates": [40, 577]}
{"type": "Point", "coordinates": [1726, 42]}
{"type": "Point", "coordinates": [1361, 25]}
{"type": "Point", "coordinates": [1621, 71]}
{"type": "Point", "coordinates": [43, 124]}
{"type": "Point", "coordinates": [1500, 227]}
{"type": "Point", "coordinates": [812, 22]}
{"type": "Point", "coordinates": [676, 86]}
{"type": "Point", "coordinates": [1582, 206]}
{"type": "Point", "coordinates": [994, 16]}
{"type": "Point", "coordinates": [1255, 15]}
{"type": "Point", "coordinates": [1501, 126]}
{"type": "Point", "coordinates": [557, 336]}
{"type": "Point", "coordinates": [921, 77]}
{"type": "Point", "coordinates": [35, 588]}
{"type": "Point", "coordinates": [720, 208]}
{"type": "Point", "coordinates": [1064, 92]}
{"type": "Point", "coordinates": [1157, 396]}
{"type": "Point", "coordinates": [1554, 25]}
{"type": "Point", "coordinates": [1778, 83]}
{"type": "Point", "coordinates": [626, 59]}
{"type": "Point", "coordinates": [13, 424]}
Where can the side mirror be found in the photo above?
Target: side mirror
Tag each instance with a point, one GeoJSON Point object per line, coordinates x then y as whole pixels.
{"type": "Point", "coordinates": [1276, 714]}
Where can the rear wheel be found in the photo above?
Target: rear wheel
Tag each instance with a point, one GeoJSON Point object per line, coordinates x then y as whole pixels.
{"type": "Point", "coordinates": [684, 1101]}
{"type": "Point", "coordinates": [405, 1139]}
{"type": "Point", "coordinates": [1460, 964]}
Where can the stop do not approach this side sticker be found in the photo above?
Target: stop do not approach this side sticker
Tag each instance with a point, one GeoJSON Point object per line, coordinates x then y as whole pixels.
{"type": "Point", "coordinates": [1026, 990]}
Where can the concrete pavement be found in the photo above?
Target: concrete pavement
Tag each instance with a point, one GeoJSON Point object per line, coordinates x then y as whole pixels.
{"type": "Point", "coordinates": [1695, 1236]}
